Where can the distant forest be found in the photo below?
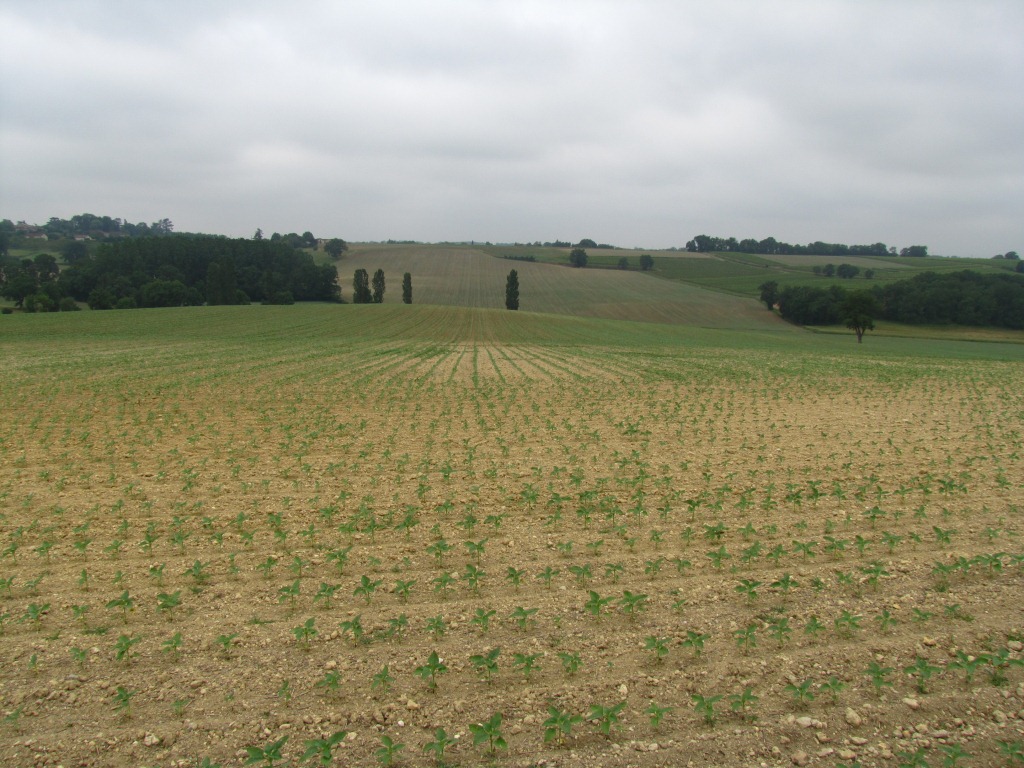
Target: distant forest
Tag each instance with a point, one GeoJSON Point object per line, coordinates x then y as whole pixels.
{"type": "Point", "coordinates": [772, 247]}
{"type": "Point", "coordinates": [171, 271]}
{"type": "Point", "coordinates": [958, 298]}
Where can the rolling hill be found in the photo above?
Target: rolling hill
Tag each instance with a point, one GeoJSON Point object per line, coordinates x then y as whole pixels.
{"type": "Point", "coordinates": [468, 277]}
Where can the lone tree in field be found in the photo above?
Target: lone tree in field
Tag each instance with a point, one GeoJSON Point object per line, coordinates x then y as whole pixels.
{"type": "Point", "coordinates": [407, 288]}
{"type": "Point", "coordinates": [858, 311]}
{"type": "Point", "coordinates": [361, 287]}
{"type": "Point", "coordinates": [578, 257]}
{"type": "Point", "coordinates": [769, 293]}
{"type": "Point", "coordinates": [378, 286]}
{"type": "Point", "coordinates": [512, 290]}
{"type": "Point", "coordinates": [335, 247]}
{"type": "Point", "coordinates": [646, 262]}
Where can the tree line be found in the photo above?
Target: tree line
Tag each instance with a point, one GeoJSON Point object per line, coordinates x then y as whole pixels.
{"type": "Point", "coordinates": [186, 270]}
{"type": "Point", "coordinates": [772, 247]}
{"type": "Point", "coordinates": [965, 297]}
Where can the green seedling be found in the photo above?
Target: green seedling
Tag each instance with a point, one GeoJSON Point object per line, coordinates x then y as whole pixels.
{"type": "Point", "coordinates": [878, 675]}
{"type": "Point", "coordinates": [657, 714]}
{"type": "Point", "coordinates": [969, 665]}
{"type": "Point", "coordinates": [482, 619]}
{"type": "Point", "coordinates": [398, 626]}
{"type": "Point", "coordinates": [748, 587]}
{"type": "Point", "coordinates": [124, 603]}
{"type": "Point", "coordinates": [632, 603]}
{"type": "Point", "coordinates": [547, 576]}
{"type": "Point", "coordinates": [388, 750]}
{"type": "Point", "coordinates": [526, 663]}
{"type": "Point", "coordinates": [695, 641]}
{"type": "Point", "coordinates": [290, 592]}
{"type": "Point", "coordinates": [284, 693]}
{"type": "Point", "coordinates": [80, 655]}
{"type": "Point", "coordinates": [304, 633]}
{"type": "Point", "coordinates": [353, 627]}
{"type": "Point", "coordinates": [436, 626]}
{"type": "Point", "coordinates": [123, 701]}
{"type": "Point", "coordinates": [166, 603]}
{"type": "Point", "coordinates": [172, 645]}
{"type": "Point", "coordinates": [559, 725]}
{"type": "Point", "coordinates": [321, 750]}
{"type": "Point", "coordinates": [596, 604]}
{"type": "Point", "coordinates": [489, 732]}
{"type": "Point", "coordinates": [779, 629]}
{"type": "Point", "coordinates": [705, 706]}
{"type": "Point", "coordinates": [523, 617]}
{"type": "Point", "coordinates": [225, 642]}
{"type": "Point", "coordinates": [403, 588]}
{"type": "Point", "coordinates": [658, 646]}
{"type": "Point", "coordinates": [846, 624]}
{"type": "Point", "coordinates": [741, 703]}
{"type": "Point", "coordinates": [473, 575]}
{"type": "Point", "coordinates": [614, 571]}
{"type": "Point", "coordinates": [35, 613]}
{"type": "Point", "coordinates": [606, 717]}
{"type": "Point", "coordinates": [330, 682]}
{"type": "Point", "coordinates": [515, 575]}
{"type": "Point", "coordinates": [123, 648]}
{"type": "Point", "coordinates": [746, 638]}
{"type": "Point", "coordinates": [802, 693]}
{"type": "Point", "coordinates": [382, 679]}
{"type": "Point", "coordinates": [833, 686]}
{"type": "Point", "coordinates": [326, 593]}
{"type": "Point", "coordinates": [430, 671]}
{"type": "Point", "coordinates": [570, 662]}
{"type": "Point", "coordinates": [367, 587]}
{"type": "Point", "coordinates": [439, 745]}
{"type": "Point", "coordinates": [268, 755]}
{"type": "Point", "coordinates": [486, 664]}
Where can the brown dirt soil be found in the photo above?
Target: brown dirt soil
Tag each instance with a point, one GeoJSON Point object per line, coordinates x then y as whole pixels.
{"type": "Point", "coordinates": [696, 498]}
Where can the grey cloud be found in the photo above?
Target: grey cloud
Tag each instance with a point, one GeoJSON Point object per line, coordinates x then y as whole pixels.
{"type": "Point", "coordinates": [641, 123]}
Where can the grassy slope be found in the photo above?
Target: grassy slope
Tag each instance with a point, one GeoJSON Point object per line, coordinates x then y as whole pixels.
{"type": "Point", "coordinates": [465, 276]}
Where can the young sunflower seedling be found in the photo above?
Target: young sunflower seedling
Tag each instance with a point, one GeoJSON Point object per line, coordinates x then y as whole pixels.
{"type": "Point", "coordinates": [833, 686]}
{"type": "Point", "coordinates": [570, 662]}
{"type": "Point", "coordinates": [559, 725]}
{"type": "Point", "coordinates": [489, 732]}
{"type": "Point", "coordinates": [304, 633]}
{"type": "Point", "coordinates": [354, 628]}
{"type": "Point", "coordinates": [123, 648]}
{"type": "Point", "coordinates": [801, 693]}
{"type": "Point", "coordinates": [523, 617]}
{"type": "Point", "coordinates": [440, 744]}
{"type": "Point", "coordinates": [657, 714]}
{"type": "Point", "coordinates": [658, 646]}
{"type": "Point", "coordinates": [746, 638]}
{"type": "Point", "coordinates": [486, 664]}
{"type": "Point", "coordinates": [388, 750]}
{"type": "Point", "coordinates": [268, 755]}
{"type": "Point", "coordinates": [878, 675]}
{"type": "Point", "coordinates": [741, 703]}
{"type": "Point", "coordinates": [321, 750]}
{"type": "Point", "coordinates": [606, 717]}
{"type": "Point", "coordinates": [526, 663]}
{"type": "Point", "coordinates": [705, 706]}
{"type": "Point", "coordinates": [430, 671]}
{"type": "Point", "coordinates": [225, 642]}
{"type": "Point", "coordinates": [695, 641]}
{"type": "Point", "coordinates": [123, 701]}
{"type": "Point", "coordinates": [632, 603]}
{"type": "Point", "coordinates": [367, 587]}
{"type": "Point", "coordinates": [382, 680]}
{"type": "Point", "coordinates": [326, 593]}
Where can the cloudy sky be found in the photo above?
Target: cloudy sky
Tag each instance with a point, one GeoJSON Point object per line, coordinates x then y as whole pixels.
{"type": "Point", "coordinates": [639, 123]}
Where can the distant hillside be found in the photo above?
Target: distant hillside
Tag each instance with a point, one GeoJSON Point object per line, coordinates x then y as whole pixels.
{"type": "Point", "coordinates": [467, 277]}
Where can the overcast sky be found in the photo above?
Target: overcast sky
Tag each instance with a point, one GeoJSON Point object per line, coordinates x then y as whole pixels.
{"type": "Point", "coordinates": [639, 123]}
